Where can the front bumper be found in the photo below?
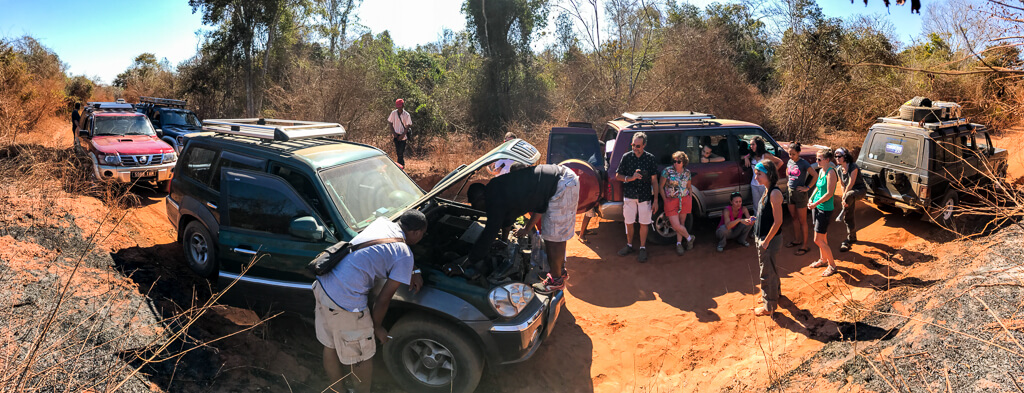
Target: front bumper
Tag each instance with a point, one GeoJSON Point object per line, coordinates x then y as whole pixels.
{"type": "Point", "coordinates": [517, 340]}
{"type": "Point", "coordinates": [123, 174]}
{"type": "Point", "coordinates": [611, 211]}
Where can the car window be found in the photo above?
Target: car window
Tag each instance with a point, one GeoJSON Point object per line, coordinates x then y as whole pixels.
{"type": "Point", "coordinates": [236, 161]}
{"type": "Point", "coordinates": [305, 188]}
{"type": "Point", "coordinates": [610, 134]}
{"type": "Point", "coordinates": [197, 163]}
{"type": "Point", "coordinates": [369, 188]}
{"type": "Point", "coordinates": [719, 146]}
{"type": "Point", "coordinates": [583, 147]}
{"type": "Point", "coordinates": [983, 140]}
{"type": "Point", "coordinates": [663, 144]}
{"type": "Point", "coordinates": [181, 118]}
{"type": "Point", "coordinates": [947, 151]}
{"type": "Point", "coordinates": [894, 149]}
{"type": "Point", "coordinates": [261, 203]}
{"type": "Point", "coordinates": [123, 125]}
{"type": "Point", "coordinates": [967, 144]}
{"type": "Point", "coordinates": [744, 137]}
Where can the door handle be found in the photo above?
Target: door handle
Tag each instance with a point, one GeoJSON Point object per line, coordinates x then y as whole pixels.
{"type": "Point", "coordinates": [243, 251]}
{"type": "Point", "coordinates": [211, 205]}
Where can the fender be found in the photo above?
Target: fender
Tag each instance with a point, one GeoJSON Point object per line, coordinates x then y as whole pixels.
{"type": "Point", "coordinates": [190, 207]}
{"type": "Point", "coordinates": [698, 195]}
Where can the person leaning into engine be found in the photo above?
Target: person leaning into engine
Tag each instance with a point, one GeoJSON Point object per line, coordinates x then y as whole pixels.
{"type": "Point", "coordinates": [549, 193]}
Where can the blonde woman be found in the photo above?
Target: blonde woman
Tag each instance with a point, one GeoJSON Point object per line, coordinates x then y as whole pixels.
{"type": "Point", "coordinates": [675, 191]}
{"type": "Point", "coordinates": [822, 204]}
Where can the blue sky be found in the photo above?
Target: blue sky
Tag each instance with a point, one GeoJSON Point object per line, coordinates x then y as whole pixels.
{"type": "Point", "coordinates": [101, 38]}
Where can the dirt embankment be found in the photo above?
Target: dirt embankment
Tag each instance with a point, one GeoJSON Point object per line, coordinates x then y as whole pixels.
{"type": "Point", "coordinates": [681, 324]}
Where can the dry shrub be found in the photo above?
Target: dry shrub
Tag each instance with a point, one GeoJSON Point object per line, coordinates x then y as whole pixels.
{"type": "Point", "coordinates": [31, 86]}
{"type": "Point", "coordinates": [694, 72]}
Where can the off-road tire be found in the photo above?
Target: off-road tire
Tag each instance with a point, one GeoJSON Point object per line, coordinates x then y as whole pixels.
{"type": "Point", "coordinates": [412, 336]}
{"type": "Point", "coordinates": [945, 214]}
{"type": "Point", "coordinates": [660, 230]}
{"type": "Point", "coordinates": [200, 249]}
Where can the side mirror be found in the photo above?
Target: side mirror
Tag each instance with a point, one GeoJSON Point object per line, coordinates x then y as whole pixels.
{"type": "Point", "coordinates": [159, 133]}
{"type": "Point", "coordinates": [83, 133]}
{"type": "Point", "coordinates": [306, 228]}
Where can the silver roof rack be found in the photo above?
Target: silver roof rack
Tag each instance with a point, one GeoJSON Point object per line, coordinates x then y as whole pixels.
{"type": "Point", "coordinates": [274, 129]}
{"type": "Point", "coordinates": [667, 117]}
{"type": "Point", "coordinates": [930, 126]}
{"type": "Point", "coordinates": [163, 101]}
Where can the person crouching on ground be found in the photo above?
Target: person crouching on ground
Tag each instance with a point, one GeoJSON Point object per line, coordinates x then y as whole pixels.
{"type": "Point", "coordinates": [736, 223]}
{"type": "Point", "coordinates": [550, 193]}
{"type": "Point", "coordinates": [344, 325]}
{"type": "Point", "coordinates": [675, 191]}
{"type": "Point", "coordinates": [638, 174]}
{"type": "Point", "coordinates": [799, 174]}
{"type": "Point", "coordinates": [768, 238]}
{"type": "Point", "coordinates": [821, 206]}
{"type": "Point", "coordinates": [851, 188]}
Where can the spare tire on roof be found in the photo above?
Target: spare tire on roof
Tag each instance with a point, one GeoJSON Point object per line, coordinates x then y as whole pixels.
{"type": "Point", "coordinates": [919, 113]}
{"type": "Point", "coordinates": [919, 101]}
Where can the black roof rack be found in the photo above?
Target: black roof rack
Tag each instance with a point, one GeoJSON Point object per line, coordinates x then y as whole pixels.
{"type": "Point", "coordinates": [274, 129]}
{"type": "Point", "coordinates": [163, 102]}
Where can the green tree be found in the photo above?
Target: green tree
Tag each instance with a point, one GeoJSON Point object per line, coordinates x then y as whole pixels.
{"type": "Point", "coordinates": [503, 30]}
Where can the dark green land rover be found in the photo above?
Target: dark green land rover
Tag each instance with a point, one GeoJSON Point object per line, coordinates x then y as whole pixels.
{"type": "Point", "coordinates": [278, 192]}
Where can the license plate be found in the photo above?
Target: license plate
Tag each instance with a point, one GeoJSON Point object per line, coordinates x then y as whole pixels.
{"type": "Point", "coordinates": [143, 174]}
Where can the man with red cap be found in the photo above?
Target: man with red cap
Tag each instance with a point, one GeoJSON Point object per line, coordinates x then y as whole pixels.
{"type": "Point", "coordinates": [400, 122]}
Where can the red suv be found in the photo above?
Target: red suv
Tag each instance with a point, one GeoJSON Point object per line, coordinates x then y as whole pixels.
{"type": "Point", "coordinates": [123, 146]}
{"type": "Point", "coordinates": [596, 159]}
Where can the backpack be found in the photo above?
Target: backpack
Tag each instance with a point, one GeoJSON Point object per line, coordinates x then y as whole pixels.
{"type": "Point", "coordinates": [329, 258]}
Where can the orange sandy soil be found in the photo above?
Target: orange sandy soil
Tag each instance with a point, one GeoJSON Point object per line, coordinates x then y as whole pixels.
{"type": "Point", "coordinates": [674, 324]}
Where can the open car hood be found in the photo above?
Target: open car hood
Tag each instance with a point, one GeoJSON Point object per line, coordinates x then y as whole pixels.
{"type": "Point", "coordinates": [517, 150]}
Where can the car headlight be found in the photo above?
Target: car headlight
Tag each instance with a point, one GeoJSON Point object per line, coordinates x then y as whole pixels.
{"type": "Point", "coordinates": [112, 159]}
{"type": "Point", "coordinates": [170, 157]}
{"type": "Point", "coordinates": [509, 299]}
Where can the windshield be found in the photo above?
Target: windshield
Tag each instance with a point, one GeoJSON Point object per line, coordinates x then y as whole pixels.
{"type": "Point", "coordinates": [366, 189]}
{"type": "Point", "coordinates": [179, 118]}
{"type": "Point", "coordinates": [123, 125]}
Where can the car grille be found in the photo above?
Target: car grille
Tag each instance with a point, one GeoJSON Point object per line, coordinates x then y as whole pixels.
{"type": "Point", "coordinates": [141, 160]}
{"type": "Point", "coordinates": [524, 148]}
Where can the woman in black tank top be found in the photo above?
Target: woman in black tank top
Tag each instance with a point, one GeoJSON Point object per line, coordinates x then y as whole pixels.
{"type": "Point", "coordinates": [769, 240]}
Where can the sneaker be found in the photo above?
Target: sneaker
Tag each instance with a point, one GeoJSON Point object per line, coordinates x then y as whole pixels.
{"type": "Point", "coordinates": [744, 243]}
{"type": "Point", "coordinates": [642, 255]}
{"type": "Point", "coordinates": [550, 285]}
{"type": "Point", "coordinates": [680, 249]}
{"type": "Point", "coordinates": [689, 242]}
{"type": "Point", "coordinates": [720, 248]}
{"type": "Point", "coordinates": [845, 246]}
{"type": "Point", "coordinates": [625, 250]}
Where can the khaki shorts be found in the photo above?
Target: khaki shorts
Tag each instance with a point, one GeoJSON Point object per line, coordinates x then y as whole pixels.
{"type": "Point", "coordinates": [798, 198]}
{"type": "Point", "coordinates": [633, 210]}
{"type": "Point", "coordinates": [348, 333]}
{"type": "Point", "coordinates": [558, 223]}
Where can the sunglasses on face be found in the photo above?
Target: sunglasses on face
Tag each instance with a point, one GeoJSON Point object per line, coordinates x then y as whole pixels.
{"type": "Point", "coordinates": [821, 159]}
{"type": "Point", "coordinates": [677, 161]}
{"type": "Point", "coordinates": [636, 145]}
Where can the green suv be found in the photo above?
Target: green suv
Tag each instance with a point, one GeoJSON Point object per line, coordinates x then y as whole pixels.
{"type": "Point", "coordinates": [256, 199]}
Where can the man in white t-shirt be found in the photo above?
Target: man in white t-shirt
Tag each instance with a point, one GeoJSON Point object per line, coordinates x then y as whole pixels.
{"type": "Point", "coordinates": [401, 123]}
{"type": "Point", "coordinates": [502, 167]}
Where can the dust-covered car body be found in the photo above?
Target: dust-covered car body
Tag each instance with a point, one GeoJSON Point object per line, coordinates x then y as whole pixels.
{"type": "Point", "coordinates": [335, 189]}
{"type": "Point", "coordinates": [924, 167]}
{"type": "Point", "coordinates": [595, 156]}
{"type": "Point", "coordinates": [122, 145]}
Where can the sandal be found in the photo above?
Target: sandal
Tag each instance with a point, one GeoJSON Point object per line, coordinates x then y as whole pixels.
{"type": "Point", "coordinates": [802, 251]}
{"type": "Point", "coordinates": [793, 244]}
{"type": "Point", "coordinates": [829, 271]}
{"type": "Point", "coordinates": [818, 263]}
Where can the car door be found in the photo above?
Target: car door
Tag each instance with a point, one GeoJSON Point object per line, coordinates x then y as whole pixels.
{"type": "Point", "coordinates": [258, 223]}
{"type": "Point", "coordinates": [716, 181]}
